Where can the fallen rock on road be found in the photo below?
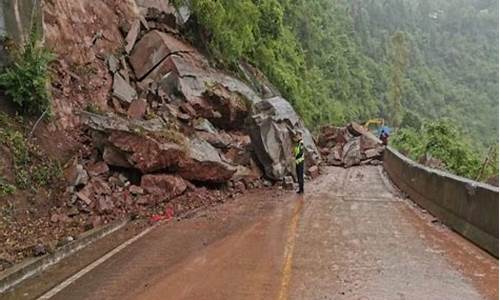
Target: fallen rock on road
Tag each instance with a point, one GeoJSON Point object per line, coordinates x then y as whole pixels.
{"type": "Point", "coordinates": [271, 133]}
{"type": "Point", "coordinates": [349, 146]}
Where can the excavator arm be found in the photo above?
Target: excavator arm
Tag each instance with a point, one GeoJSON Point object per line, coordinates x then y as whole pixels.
{"type": "Point", "coordinates": [379, 122]}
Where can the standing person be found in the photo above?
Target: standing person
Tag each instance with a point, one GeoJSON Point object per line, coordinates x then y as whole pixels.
{"type": "Point", "coordinates": [298, 151]}
{"type": "Point", "coordinates": [384, 136]}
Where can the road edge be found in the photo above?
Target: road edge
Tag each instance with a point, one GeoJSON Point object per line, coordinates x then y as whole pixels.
{"type": "Point", "coordinates": [18, 273]}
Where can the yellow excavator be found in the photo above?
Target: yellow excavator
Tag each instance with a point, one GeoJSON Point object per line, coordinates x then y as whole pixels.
{"type": "Point", "coordinates": [380, 122]}
{"type": "Point", "coordinates": [382, 131]}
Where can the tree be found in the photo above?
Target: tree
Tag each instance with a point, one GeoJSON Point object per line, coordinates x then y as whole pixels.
{"type": "Point", "coordinates": [343, 60]}
{"type": "Point", "coordinates": [399, 58]}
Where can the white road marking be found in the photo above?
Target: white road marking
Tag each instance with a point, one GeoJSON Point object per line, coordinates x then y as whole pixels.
{"type": "Point", "coordinates": [55, 259]}
{"type": "Point", "coordinates": [93, 265]}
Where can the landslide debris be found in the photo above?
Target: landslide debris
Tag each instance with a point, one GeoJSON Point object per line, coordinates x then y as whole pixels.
{"type": "Point", "coordinates": [155, 126]}
{"type": "Point", "coordinates": [349, 146]}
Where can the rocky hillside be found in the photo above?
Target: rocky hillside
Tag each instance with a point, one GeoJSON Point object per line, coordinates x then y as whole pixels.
{"type": "Point", "coordinates": [141, 122]}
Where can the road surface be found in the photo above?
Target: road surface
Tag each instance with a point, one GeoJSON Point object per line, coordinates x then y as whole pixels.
{"type": "Point", "coordinates": [350, 237]}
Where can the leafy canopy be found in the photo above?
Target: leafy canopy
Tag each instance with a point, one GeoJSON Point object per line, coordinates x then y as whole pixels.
{"type": "Point", "coordinates": [410, 62]}
{"type": "Point", "coordinates": [442, 140]}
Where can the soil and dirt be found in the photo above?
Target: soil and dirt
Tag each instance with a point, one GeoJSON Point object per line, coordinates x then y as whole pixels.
{"type": "Point", "coordinates": [141, 124]}
{"type": "Point", "coordinates": [331, 243]}
{"type": "Point", "coordinates": [350, 145]}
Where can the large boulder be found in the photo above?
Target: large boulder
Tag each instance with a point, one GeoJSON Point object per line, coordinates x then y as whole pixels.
{"type": "Point", "coordinates": [251, 173]}
{"type": "Point", "coordinates": [115, 157]}
{"type": "Point", "coordinates": [190, 75]}
{"type": "Point", "coordinates": [145, 145]}
{"type": "Point", "coordinates": [151, 146]}
{"type": "Point", "coordinates": [350, 145]}
{"type": "Point", "coordinates": [270, 130]}
{"type": "Point", "coordinates": [137, 109]}
{"type": "Point", "coordinates": [352, 153]}
{"type": "Point", "coordinates": [148, 153]}
{"type": "Point", "coordinates": [356, 129]}
{"type": "Point", "coordinates": [152, 49]}
{"type": "Point", "coordinates": [327, 135]}
{"type": "Point", "coordinates": [110, 122]}
{"type": "Point", "coordinates": [168, 186]}
{"type": "Point", "coordinates": [122, 89]}
{"type": "Point", "coordinates": [205, 163]}
{"type": "Point", "coordinates": [164, 12]}
{"type": "Point", "coordinates": [173, 67]}
{"type": "Point", "coordinates": [369, 141]}
{"type": "Point", "coordinates": [258, 80]}
{"type": "Point", "coordinates": [233, 108]}
{"type": "Point", "coordinates": [334, 157]}
{"type": "Point", "coordinates": [215, 139]}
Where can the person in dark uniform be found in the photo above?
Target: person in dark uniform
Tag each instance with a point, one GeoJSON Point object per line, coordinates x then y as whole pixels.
{"type": "Point", "coordinates": [384, 136]}
{"type": "Point", "coordinates": [298, 151]}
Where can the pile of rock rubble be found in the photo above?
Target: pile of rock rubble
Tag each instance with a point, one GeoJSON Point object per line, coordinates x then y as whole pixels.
{"type": "Point", "coordinates": [349, 146]}
{"type": "Point", "coordinates": [179, 125]}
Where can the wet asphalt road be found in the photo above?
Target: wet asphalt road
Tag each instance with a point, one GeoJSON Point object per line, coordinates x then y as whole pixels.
{"type": "Point", "coordinates": [349, 237]}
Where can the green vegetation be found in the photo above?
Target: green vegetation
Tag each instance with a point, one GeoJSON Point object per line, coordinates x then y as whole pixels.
{"type": "Point", "coordinates": [30, 167]}
{"type": "Point", "coordinates": [172, 135]}
{"type": "Point", "coordinates": [93, 108]}
{"type": "Point", "coordinates": [354, 60]}
{"type": "Point", "coordinates": [452, 70]}
{"type": "Point", "coordinates": [27, 80]}
{"type": "Point", "coordinates": [409, 62]}
{"type": "Point", "coordinates": [6, 188]}
{"type": "Point", "coordinates": [443, 141]}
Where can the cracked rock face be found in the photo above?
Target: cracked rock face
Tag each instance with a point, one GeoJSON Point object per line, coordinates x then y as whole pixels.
{"type": "Point", "coordinates": [233, 108]}
{"type": "Point", "coordinates": [149, 147]}
{"type": "Point", "coordinates": [271, 133]}
{"type": "Point", "coordinates": [152, 49]}
{"type": "Point", "coordinates": [146, 153]}
{"type": "Point", "coordinates": [205, 163]}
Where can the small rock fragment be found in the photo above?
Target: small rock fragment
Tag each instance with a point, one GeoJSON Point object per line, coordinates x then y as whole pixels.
{"type": "Point", "coordinates": [288, 183]}
{"type": "Point", "coordinates": [136, 190]}
{"type": "Point", "coordinates": [98, 168]}
{"type": "Point", "coordinates": [73, 212]}
{"type": "Point", "coordinates": [105, 205]}
{"type": "Point", "coordinates": [39, 250]}
{"type": "Point", "coordinates": [122, 89]}
{"type": "Point", "coordinates": [132, 35]}
{"type": "Point", "coordinates": [113, 64]}
{"type": "Point", "coordinates": [137, 109]}
{"type": "Point", "coordinates": [313, 171]}
{"type": "Point", "coordinates": [239, 186]}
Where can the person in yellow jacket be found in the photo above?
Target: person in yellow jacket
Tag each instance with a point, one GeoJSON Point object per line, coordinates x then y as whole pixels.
{"type": "Point", "coordinates": [298, 151]}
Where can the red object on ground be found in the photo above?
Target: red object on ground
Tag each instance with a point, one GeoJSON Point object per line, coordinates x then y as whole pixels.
{"type": "Point", "coordinates": [169, 214]}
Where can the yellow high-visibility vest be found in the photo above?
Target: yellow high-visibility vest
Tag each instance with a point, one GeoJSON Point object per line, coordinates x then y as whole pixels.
{"type": "Point", "coordinates": [298, 151]}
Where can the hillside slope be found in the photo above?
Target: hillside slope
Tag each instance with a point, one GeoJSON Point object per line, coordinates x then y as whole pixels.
{"type": "Point", "coordinates": [142, 124]}
{"type": "Point", "coordinates": [355, 60]}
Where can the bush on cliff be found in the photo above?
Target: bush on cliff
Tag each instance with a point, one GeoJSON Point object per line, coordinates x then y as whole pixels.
{"type": "Point", "coordinates": [444, 141]}
{"type": "Point", "coordinates": [27, 81]}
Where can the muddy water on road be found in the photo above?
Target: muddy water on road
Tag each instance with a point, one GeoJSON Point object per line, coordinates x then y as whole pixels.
{"type": "Point", "coordinates": [358, 240]}
{"type": "Point", "coordinates": [230, 252]}
{"type": "Point", "coordinates": [245, 264]}
{"type": "Point", "coordinates": [349, 237]}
